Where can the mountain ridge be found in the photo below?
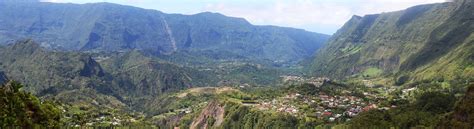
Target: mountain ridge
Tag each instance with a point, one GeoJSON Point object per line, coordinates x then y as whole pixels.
{"type": "Point", "coordinates": [400, 43]}
{"type": "Point", "coordinates": [110, 27]}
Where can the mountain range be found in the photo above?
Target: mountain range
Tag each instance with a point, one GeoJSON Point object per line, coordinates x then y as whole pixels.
{"type": "Point", "coordinates": [104, 62]}
{"type": "Point", "coordinates": [110, 27]}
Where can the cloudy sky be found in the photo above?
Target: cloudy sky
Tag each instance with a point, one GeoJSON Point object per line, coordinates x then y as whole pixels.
{"type": "Point", "coordinates": [324, 16]}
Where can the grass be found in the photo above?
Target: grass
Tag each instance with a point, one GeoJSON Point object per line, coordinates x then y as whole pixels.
{"type": "Point", "coordinates": [372, 72]}
{"type": "Point", "coordinates": [349, 50]}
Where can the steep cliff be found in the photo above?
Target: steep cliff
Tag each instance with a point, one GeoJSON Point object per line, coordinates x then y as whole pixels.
{"type": "Point", "coordinates": [419, 42]}
{"type": "Point", "coordinates": [111, 27]}
{"type": "Point", "coordinates": [211, 116]}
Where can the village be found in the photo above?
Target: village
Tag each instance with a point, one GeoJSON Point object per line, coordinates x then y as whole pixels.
{"type": "Point", "coordinates": [330, 108]}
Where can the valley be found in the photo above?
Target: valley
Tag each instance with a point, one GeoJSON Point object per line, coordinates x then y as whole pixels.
{"type": "Point", "coordinates": [106, 65]}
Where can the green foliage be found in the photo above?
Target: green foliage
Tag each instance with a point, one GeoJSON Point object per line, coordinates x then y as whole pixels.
{"type": "Point", "coordinates": [349, 50]}
{"type": "Point", "coordinates": [435, 102]}
{"type": "Point", "coordinates": [372, 72]}
{"type": "Point", "coordinates": [372, 119]}
{"type": "Point", "coordinates": [210, 121]}
{"type": "Point", "coordinates": [305, 89]}
{"type": "Point", "coordinates": [264, 92]}
{"type": "Point", "coordinates": [463, 115]}
{"type": "Point", "coordinates": [426, 111]}
{"type": "Point", "coordinates": [422, 42]}
{"type": "Point", "coordinates": [238, 116]}
{"type": "Point", "coordinates": [21, 109]}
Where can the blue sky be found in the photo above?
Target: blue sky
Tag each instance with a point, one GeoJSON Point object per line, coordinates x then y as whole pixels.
{"type": "Point", "coordinates": [324, 16]}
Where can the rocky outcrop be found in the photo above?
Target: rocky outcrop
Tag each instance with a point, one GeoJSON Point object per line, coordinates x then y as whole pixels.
{"type": "Point", "coordinates": [211, 116]}
{"type": "Point", "coordinates": [91, 68]}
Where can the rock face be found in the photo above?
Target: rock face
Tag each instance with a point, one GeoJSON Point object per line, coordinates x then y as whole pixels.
{"type": "Point", "coordinates": [111, 27]}
{"type": "Point", "coordinates": [425, 40]}
{"type": "Point", "coordinates": [211, 116]}
{"type": "Point", "coordinates": [91, 68]}
{"type": "Point", "coordinates": [3, 78]}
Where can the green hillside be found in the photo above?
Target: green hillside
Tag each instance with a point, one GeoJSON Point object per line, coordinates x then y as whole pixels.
{"type": "Point", "coordinates": [418, 43]}
{"type": "Point", "coordinates": [110, 66]}
{"type": "Point", "coordinates": [76, 78]}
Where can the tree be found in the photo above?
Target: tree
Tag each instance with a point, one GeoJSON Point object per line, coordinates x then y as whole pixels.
{"type": "Point", "coordinates": [22, 109]}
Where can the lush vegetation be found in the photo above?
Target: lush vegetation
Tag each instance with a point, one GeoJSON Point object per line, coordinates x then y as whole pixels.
{"type": "Point", "coordinates": [426, 111]}
{"type": "Point", "coordinates": [402, 69]}
{"type": "Point", "coordinates": [414, 44]}
{"type": "Point", "coordinates": [238, 117]}
{"type": "Point", "coordinates": [463, 114]}
{"type": "Point", "coordinates": [21, 109]}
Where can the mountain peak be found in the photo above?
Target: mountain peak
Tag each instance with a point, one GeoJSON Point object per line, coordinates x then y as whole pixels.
{"type": "Point", "coordinates": [210, 13]}
{"type": "Point", "coordinates": [214, 16]}
{"type": "Point", "coordinates": [356, 17]}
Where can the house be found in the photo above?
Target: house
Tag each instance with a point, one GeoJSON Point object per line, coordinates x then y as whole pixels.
{"type": "Point", "coordinates": [331, 119]}
{"type": "Point", "coordinates": [369, 107]}
{"type": "Point", "coordinates": [327, 113]}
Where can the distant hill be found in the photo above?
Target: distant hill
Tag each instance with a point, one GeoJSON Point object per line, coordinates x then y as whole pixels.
{"type": "Point", "coordinates": [111, 27]}
{"type": "Point", "coordinates": [422, 42]}
{"type": "Point", "coordinates": [115, 80]}
{"type": "Point", "coordinates": [112, 80]}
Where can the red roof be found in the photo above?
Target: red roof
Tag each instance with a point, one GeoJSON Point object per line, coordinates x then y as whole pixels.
{"type": "Point", "coordinates": [327, 113]}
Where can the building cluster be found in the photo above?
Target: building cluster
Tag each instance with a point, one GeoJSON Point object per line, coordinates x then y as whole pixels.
{"type": "Point", "coordinates": [330, 108]}
{"type": "Point", "coordinates": [327, 107]}
{"type": "Point", "coordinates": [348, 106]}
{"type": "Point", "coordinates": [281, 105]}
{"type": "Point", "coordinates": [317, 81]}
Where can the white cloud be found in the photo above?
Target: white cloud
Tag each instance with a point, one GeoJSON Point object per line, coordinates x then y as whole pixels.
{"type": "Point", "coordinates": [287, 13]}
{"type": "Point", "coordinates": [311, 14]}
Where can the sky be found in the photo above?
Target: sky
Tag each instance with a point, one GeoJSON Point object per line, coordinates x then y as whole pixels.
{"type": "Point", "coordinates": [323, 16]}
